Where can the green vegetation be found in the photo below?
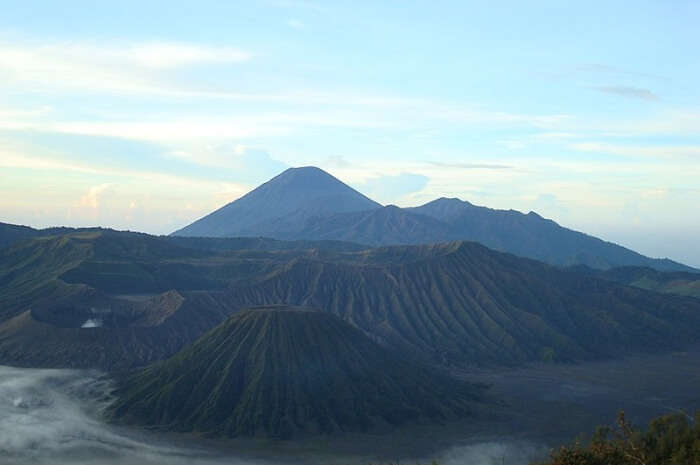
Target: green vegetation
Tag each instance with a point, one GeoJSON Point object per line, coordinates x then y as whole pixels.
{"type": "Point", "coordinates": [451, 304]}
{"type": "Point", "coordinates": [461, 303]}
{"type": "Point", "coordinates": [669, 440]}
{"type": "Point", "coordinates": [281, 372]}
{"type": "Point", "coordinates": [680, 283]}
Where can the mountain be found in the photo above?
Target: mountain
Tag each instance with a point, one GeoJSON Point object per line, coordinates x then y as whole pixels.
{"type": "Point", "coordinates": [679, 283]}
{"type": "Point", "coordinates": [10, 234]}
{"type": "Point", "coordinates": [453, 303]}
{"type": "Point", "coordinates": [112, 300]}
{"type": "Point", "coordinates": [95, 331]}
{"type": "Point", "coordinates": [462, 303]}
{"type": "Point", "coordinates": [307, 204]}
{"type": "Point", "coordinates": [281, 372]}
{"type": "Point", "coordinates": [227, 244]}
{"type": "Point", "coordinates": [281, 205]}
{"type": "Point", "coordinates": [388, 225]}
{"type": "Point", "coordinates": [530, 235]}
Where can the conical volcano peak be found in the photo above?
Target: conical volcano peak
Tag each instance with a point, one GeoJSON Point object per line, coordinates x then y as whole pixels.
{"type": "Point", "coordinates": [309, 178]}
{"type": "Point", "coordinates": [281, 371]}
{"type": "Point", "coordinates": [306, 172]}
{"type": "Point", "coordinates": [281, 206]}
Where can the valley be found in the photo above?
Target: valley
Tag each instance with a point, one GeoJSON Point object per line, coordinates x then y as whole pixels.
{"type": "Point", "coordinates": [540, 407]}
{"type": "Point", "coordinates": [325, 232]}
{"type": "Point", "coordinates": [315, 347]}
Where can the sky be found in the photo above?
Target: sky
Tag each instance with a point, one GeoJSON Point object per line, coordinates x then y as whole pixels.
{"type": "Point", "coordinates": [147, 115]}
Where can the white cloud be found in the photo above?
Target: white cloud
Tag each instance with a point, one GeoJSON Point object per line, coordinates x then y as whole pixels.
{"type": "Point", "coordinates": [7, 113]}
{"type": "Point", "coordinates": [655, 151]}
{"type": "Point", "coordinates": [684, 122]}
{"type": "Point", "coordinates": [21, 160]}
{"type": "Point", "coordinates": [170, 55]}
{"type": "Point", "coordinates": [115, 67]}
{"type": "Point", "coordinates": [92, 198]}
{"type": "Point", "coordinates": [95, 195]}
{"type": "Point", "coordinates": [628, 91]}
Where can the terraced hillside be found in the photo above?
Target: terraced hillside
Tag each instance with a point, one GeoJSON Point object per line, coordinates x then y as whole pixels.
{"type": "Point", "coordinates": [281, 372]}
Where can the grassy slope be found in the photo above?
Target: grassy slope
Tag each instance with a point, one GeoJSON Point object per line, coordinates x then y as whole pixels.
{"type": "Point", "coordinates": [679, 283]}
{"type": "Point", "coordinates": [279, 372]}
{"type": "Point", "coordinates": [464, 303]}
{"type": "Point", "coordinates": [50, 285]}
{"type": "Point", "coordinates": [451, 303]}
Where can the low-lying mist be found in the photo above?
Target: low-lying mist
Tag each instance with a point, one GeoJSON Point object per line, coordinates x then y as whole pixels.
{"type": "Point", "coordinates": [52, 416]}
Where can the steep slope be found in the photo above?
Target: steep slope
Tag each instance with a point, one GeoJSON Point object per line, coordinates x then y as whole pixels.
{"type": "Point", "coordinates": [534, 237]}
{"type": "Point", "coordinates": [282, 371]}
{"type": "Point", "coordinates": [281, 205]}
{"type": "Point", "coordinates": [463, 303]}
{"type": "Point", "coordinates": [12, 233]}
{"type": "Point", "coordinates": [47, 269]}
{"type": "Point", "coordinates": [143, 297]}
{"type": "Point", "coordinates": [121, 263]}
{"type": "Point", "coordinates": [29, 271]}
{"type": "Point", "coordinates": [117, 334]}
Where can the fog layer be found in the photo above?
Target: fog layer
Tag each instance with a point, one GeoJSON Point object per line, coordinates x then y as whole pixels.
{"type": "Point", "coordinates": [52, 416]}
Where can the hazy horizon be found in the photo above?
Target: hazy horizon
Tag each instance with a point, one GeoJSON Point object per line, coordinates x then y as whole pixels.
{"type": "Point", "coordinates": [148, 116]}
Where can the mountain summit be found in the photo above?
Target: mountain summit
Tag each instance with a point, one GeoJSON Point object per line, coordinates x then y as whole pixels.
{"type": "Point", "coordinates": [282, 371]}
{"type": "Point", "coordinates": [283, 203]}
{"type": "Point", "coordinates": [309, 204]}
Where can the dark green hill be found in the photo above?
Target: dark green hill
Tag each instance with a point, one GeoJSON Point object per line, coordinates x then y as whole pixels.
{"type": "Point", "coordinates": [463, 303]}
{"type": "Point", "coordinates": [280, 372]}
{"type": "Point", "coordinates": [50, 286]}
{"type": "Point", "coordinates": [94, 331]}
{"type": "Point", "coordinates": [12, 233]}
{"type": "Point", "coordinates": [450, 303]}
{"type": "Point", "coordinates": [125, 263]}
{"type": "Point", "coordinates": [679, 283]}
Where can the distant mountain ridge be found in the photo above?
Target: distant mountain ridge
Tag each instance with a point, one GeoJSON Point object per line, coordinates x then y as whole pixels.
{"type": "Point", "coordinates": [12, 233]}
{"type": "Point", "coordinates": [530, 235]}
{"type": "Point", "coordinates": [309, 204]}
{"type": "Point", "coordinates": [452, 303]}
{"type": "Point", "coordinates": [462, 303]}
{"type": "Point", "coordinates": [678, 282]}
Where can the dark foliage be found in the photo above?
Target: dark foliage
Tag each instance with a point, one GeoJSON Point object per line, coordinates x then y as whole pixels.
{"type": "Point", "coordinates": [669, 440]}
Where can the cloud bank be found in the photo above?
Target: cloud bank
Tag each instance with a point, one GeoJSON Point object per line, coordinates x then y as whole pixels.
{"type": "Point", "coordinates": [50, 416]}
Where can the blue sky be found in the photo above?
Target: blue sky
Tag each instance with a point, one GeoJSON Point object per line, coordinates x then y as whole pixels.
{"type": "Point", "coordinates": [147, 115]}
